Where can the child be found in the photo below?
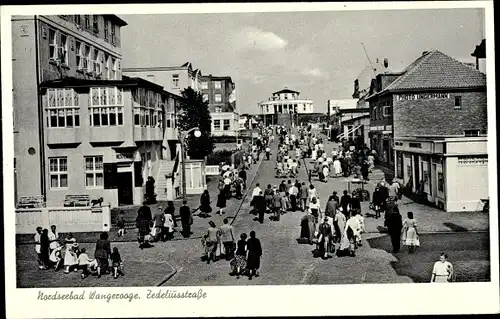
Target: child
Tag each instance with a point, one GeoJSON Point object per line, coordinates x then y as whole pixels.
{"type": "Point", "coordinates": [120, 222]}
{"type": "Point", "coordinates": [56, 258]}
{"type": "Point", "coordinates": [116, 263]}
{"type": "Point", "coordinates": [83, 263]}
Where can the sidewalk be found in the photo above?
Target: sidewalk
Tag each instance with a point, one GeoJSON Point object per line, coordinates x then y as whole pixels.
{"type": "Point", "coordinates": [429, 219]}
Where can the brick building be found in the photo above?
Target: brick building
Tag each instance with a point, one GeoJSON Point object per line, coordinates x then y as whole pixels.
{"type": "Point", "coordinates": [438, 112]}
{"type": "Point", "coordinates": [220, 92]}
{"type": "Point", "coordinates": [46, 48]}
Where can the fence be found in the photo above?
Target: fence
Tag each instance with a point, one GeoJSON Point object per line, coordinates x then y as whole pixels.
{"type": "Point", "coordinates": [67, 219]}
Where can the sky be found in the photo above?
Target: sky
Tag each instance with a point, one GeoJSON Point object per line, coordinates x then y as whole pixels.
{"type": "Point", "coordinates": [318, 54]}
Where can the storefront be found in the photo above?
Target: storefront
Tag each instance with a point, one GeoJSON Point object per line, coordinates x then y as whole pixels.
{"type": "Point", "coordinates": [451, 173]}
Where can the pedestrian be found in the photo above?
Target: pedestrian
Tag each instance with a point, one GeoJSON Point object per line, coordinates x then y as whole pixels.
{"type": "Point", "coordinates": [53, 238]}
{"type": "Point", "coordinates": [70, 257]}
{"type": "Point", "coordinates": [243, 175]}
{"type": "Point", "coordinates": [120, 223]}
{"type": "Point", "coordinates": [326, 173]}
{"type": "Point", "coordinates": [442, 272]}
{"type": "Point", "coordinates": [345, 202]}
{"type": "Point", "coordinates": [255, 192]}
{"type": "Point", "coordinates": [325, 244]}
{"type": "Point", "coordinates": [211, 239]}
{"type": "Point", "coordinates": [394, 227]}
{"type": "Point", "coordinates": [143, 223]}
{"type": "Point", "coordinates": [409, 236]}
{"type": "Point", "coordinates": [186, 219]}
{"type": "Point", "coordinates": [303, 191]}
{"type": "Point", "coordinates": [227, 239]}
{"type": "Point", "coordinates": [277, 204]}
{"type": "Point", "coordinates": [205, 208]}
{"type": "Point", "coordinates": [339, 221]}
{"type": "Point", "coordinates": [268, 153]}
{"type": "Point", "coordinates": [293, 192]}
{"type": "Point", "coordinates": [84, 263]}
{"type": "Point", "coordinates": [116, 263]}
{"type": "Point", "coordinates": [171, 210]}
{"type": "Point", "coordinates": [337, 167]}
{"type": "Point", "coordinates": [45, 248]}
{"type": "Point", "coordinates": [169, 224]}
{"type": "Point", "coordinates": [377, 202]}
{"type": "Point", "coordinates": [260, 206]}
{"type": "Point", "coordinates": [102, 253]}
{"type": "Point", "coordinates": [353, 229]}
{"type": "Point", "coordinates": [365, 170]}
{"type": "Point", "coordinates": [239, 262]}
{"type": "Point", "coordinates": [55, 258]}
{"type": "Point", "coordinates": [254, 249]}
{"type": "Point", "coordinates": [315, 210]}
{"type": "Point", "coordinates": [38, 248]}
{"type": "Point", "coordinates": [336, 198]}
{"type": "Point", "coordinates": [268, 196]}
{"type": "Point", "coordinates": [158, 225]}
{"type": "Point", "coordinates": [221, 202]}
{"type": "Point", "coordinates": [331, 206]}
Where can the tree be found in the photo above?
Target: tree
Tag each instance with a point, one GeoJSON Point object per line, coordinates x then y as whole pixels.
{"type": "Point", "coordinates": [194, 113]}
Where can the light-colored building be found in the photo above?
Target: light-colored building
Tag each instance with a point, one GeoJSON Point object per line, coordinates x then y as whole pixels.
{"type": "Point", "coordinates": [334, 106]}
{"type": "Point", "coordinates": [285, 106]}
{"type": "Point", "coordinates": [46, 48]}
{"type": "Point", "coordinates": [220, 93]}
{"type": "Point", "coordinates": [173, 79]}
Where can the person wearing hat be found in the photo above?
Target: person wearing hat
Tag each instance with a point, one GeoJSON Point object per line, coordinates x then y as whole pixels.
{"type": "Point", "coordinates": [277, 203]}
{"type": "Point", "coordinates": [325, 244]}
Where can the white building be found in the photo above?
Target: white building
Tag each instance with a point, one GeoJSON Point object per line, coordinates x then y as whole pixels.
{"type": "Point", "coordinates": [334, 106]}
{"type": "Point", "coordinates": [284, 107]}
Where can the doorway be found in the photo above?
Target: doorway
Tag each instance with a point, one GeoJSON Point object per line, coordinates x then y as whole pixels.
{"type": "Point", "coordinates": [416, 180]}
{"type": "Point", "coordinates": [125, 190]}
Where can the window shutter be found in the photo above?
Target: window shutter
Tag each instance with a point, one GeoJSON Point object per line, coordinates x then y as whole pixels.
{"type": "Point", "coordinates": [138, 174]}
{"type": "Point", "coordinates": [110, 175]}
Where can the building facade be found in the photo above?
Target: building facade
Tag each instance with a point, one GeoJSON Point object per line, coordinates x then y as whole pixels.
{"type": "Point", "coordinates": [219, 92]}
{"type": "Point", "coordinates": [439, 119]}
{"type": "Point", "coordinates": [173, 79]}
{"type": "Point", "coordinates": [46, 48]}
{"type": "Point", "coordinates": [285, 107]}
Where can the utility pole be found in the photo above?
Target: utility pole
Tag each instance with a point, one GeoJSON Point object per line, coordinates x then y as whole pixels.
{"type": "Point", "coordinates": [368, 57]}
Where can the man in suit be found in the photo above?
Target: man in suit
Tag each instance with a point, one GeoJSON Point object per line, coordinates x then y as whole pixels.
{"type": "Point", "coordinates": [227, 238]}
{"type": "Point", "coordinates": [186, 219]}
{"type": "Point", "coordinates": [277, 204]}
{"type": "Point", "coordinates": [260, 206]}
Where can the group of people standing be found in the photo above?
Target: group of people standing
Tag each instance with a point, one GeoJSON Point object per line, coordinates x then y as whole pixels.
{"type": "Point", "coordinates": [243, 255]}
{"type": "Point", "coordinates": [54, 252]}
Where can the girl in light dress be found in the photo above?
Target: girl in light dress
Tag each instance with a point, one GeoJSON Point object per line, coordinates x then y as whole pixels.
{"type": "Point", "coordinates": [409, 235]}
{"type": "Point", "coordinates": [70, 256]}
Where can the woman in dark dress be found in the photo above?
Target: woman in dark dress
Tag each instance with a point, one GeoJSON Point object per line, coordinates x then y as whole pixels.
{"type": "Point", "coordinates": [254, 253]}
{"type": "Point", "coordinates": [44, 248]}
{"type": "Point", "coordinates": [102, 253]}
{"type": "Point", "coordinates": [239, 262]}
{"type": "Point", "coordinates": [205, 204]}
{"type": "Point", "coordinates": [143, 222]}
{"type": "Point", "coordinates": [221, 202]}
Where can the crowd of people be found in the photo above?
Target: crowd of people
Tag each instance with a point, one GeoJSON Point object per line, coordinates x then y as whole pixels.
{"type": "Point", "coordinates": [55, 252]}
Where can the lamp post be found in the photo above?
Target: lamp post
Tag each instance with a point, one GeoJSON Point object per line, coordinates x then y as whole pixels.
{"type": "Point", "coordinates": [197, 133]}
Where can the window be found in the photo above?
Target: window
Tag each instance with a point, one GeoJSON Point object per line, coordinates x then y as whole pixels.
{"type": "Point", "coordinates": [87, 21]}
{"type": "Point", "coordinates": [304, 108]}
{"type": "Point", "coordinates": [205, 97]}
{"type": "Point", "coordinates": [94, 172]}
{"type": "Point", "coordinates": [58, 171]}
{"type": "Point", "coordinates": [148, 109]}
{"type": "Point", "coordinates": [52, 44]}
{"type": "Point", "coordinates": [415, 145]}
{"type": "Point", "coordinates": [113, 34]}
{"type": "Point", "coordinates": [175, 81]}
{"type": "Point", "coordinates": [218, 98]}
{"type": "Point", "coordinates": [227, 125]}
{"type": "Point", "coordinates": [471, 133]}
{"type": "Point", "coordinates": [88, 64]}
{"type": "Point", "coordinates": [217, 85]}
{"type": "Point", "coordinates": [106, 30]}
{"type": "Point", "coordinates": [218, 109]}
{"type": "Point", "coordinates": [267, 108]}
{"type": "Point", "coordinates": [95, 24]}
{"type": "Point", "coordinates": [458, 102]}
{"type": "Point", "coordinates": [216, 125]}
{"type": "Point", "coordinates": [62, 50]}
{"type": "Point", "coordinates": [170, 120]}
{"type": "Point", "coordinates": [106, 66]}
{"type": "Point", "coordinates": [387, 110]}
{"type": "Point", "coordinates": [114, 65]}
{"type": "Point", "coordinates": [106, 106]}
{"type": "Point", "coordinates": [78, 20]}
{"type": "Point", "coordinates": [96, 62]}
{"type": "Point", "coordinates": [63, 108]}
{"type": "Point", "coordinates": [204, 85]}
{"type": "Point", "coordinates": [79, 56]}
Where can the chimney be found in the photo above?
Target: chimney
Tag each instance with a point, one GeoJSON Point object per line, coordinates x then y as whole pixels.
{"type": "Point", "coordinates": [355, 95]}
{"type": "Point", "coordinates": [386, 63]}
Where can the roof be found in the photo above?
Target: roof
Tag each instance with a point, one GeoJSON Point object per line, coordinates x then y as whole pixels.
{"type": "Point", "coordinates": [436, 70]}
{"type": "Point", "coordinates": [286, 90]}
{"type": "Point", "coordinates": [356, 118]}
{"type": "Point", "coordinates": [480, 51]}
{"type": "Point", "coordinates": [216, 78]}
{"type": "Point", "coordinates": [356, 110]}
{"type": "Point", "coordinates": [116, 19]}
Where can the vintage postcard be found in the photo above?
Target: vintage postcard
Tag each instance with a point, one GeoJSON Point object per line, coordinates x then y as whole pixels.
{"type": "Point", "coordinates": [249, 159]}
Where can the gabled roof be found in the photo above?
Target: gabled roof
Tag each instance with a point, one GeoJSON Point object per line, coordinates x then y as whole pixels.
{"type": "Point", "coordinates": [286, 90]}
{"type": "Point", "coordinates": [436, 70]}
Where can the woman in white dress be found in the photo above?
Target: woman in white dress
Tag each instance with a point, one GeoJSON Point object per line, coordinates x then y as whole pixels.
{"type": "Point", "coordinates": [409, 235]}
{"type": "Point", "coordinates": [337, 168]}
{"type": "Point", "coordinates": [70, 258]}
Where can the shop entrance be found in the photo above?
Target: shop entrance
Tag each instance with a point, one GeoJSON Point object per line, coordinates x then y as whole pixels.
{"type": "Point", "coordinates": [125, 189]}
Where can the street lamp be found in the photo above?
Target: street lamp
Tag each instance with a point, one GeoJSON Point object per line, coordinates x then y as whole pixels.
{"type": "Point", "coordinates": [197, 133]}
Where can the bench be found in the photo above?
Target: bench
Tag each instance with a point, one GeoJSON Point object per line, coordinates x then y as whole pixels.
{"type": "Point", "coordinates": [31, 202]}
{"type": "Point", "coordinates": [77, 201]}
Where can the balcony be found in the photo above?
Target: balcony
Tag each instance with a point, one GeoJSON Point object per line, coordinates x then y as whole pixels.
{"type": "Point", "coordinates": [63, 135]}
{"type": "Point", "coordinates": [142, 133]}
{"type": "Point", "coordinates": [171, 133]}
{"type": "Point", "coordinates": [107, 134]}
